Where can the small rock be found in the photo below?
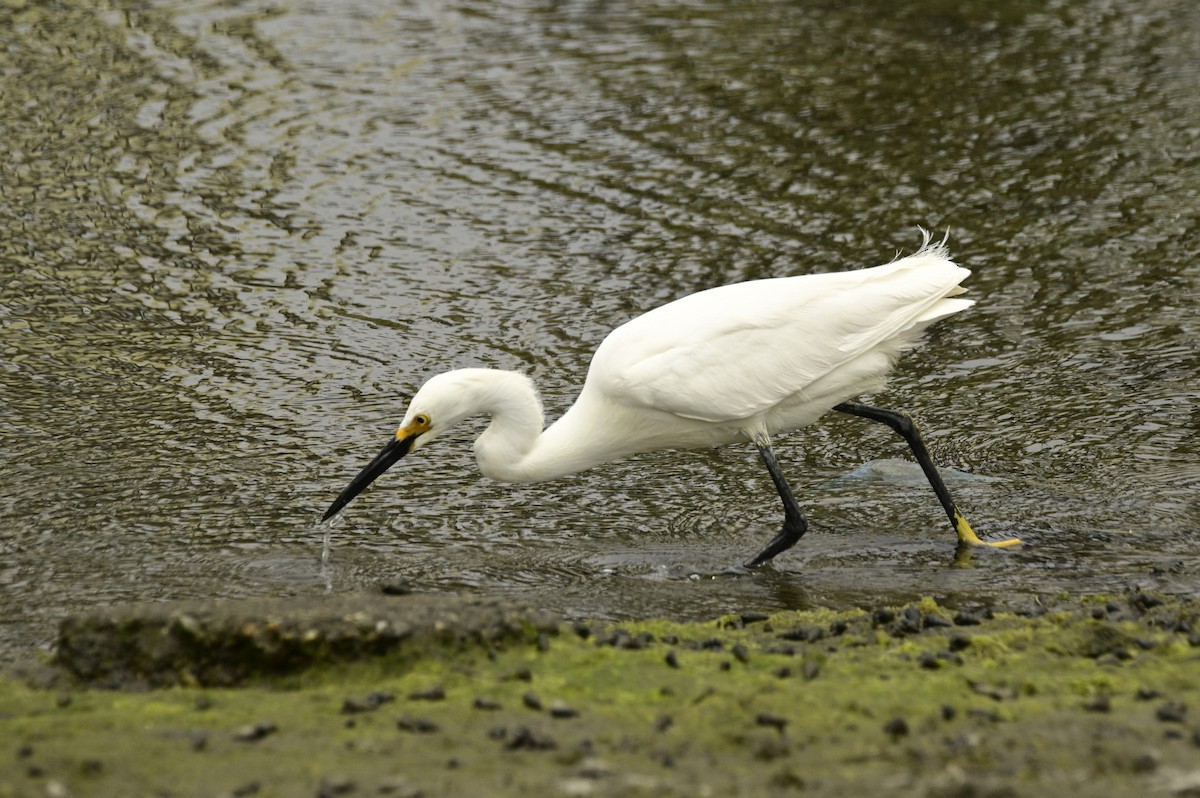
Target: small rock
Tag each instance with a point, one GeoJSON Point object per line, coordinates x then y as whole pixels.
{"type": "Point", "coordinates": [967, 619]}
{"type": "Point", "coordinates": [434, 693]}
{"type": "Point", "coordinates": [807, 634]}
{"type": "Point", "coordinates": [929, 661]}
{"type": "Point", "coordinates": [486, 703]}
{"type": "Point", "coordinates": [948, 712]}
{"type": "Point", "coordinates": [740, 653]}
{"type": "Point", "coordinates": [754, 617]}
{"type": "Point", "coordinates": [582, 630]}
{"type": "Point", "coordinates": [594, 769]}
{"type": "Point", "coordinates": [56, 789]}
{"type": "Point", "coordinates": [935, 621]}
{"type": "Point", "coordinates": [774, 721]}
{"type": "Point", "coordinates": [519, 675]}
{"type": "Point", "coordinates": [782, 672]}
{"type": "Point", "coordinates": [560, 710]}
{"type": "Point", "coordinates": [367, 703]}
{"type": "Point", "coordinates": [959, 642]}
{"type": "Point", "coordinates": [524, 739]}
{"type": "Point", "coordinates": [1172, 712]}
{"type": "Point", "coordinates": [409, 723]}
{"type": "Point", "coordinates": [253, 732]}
{"type": "Point", "coordinates": [896, 728]}
{"type": "Point", "coordinates": [672, 659]}
{"type": "Point", "coordinates": [1147, 694]}
{"type": "Point", "coordinates": [543, 642]}
{"type": "Point", "coordinates": [1145, 763]}
{"type": "Point", "coordinates": [532, 701]}
{"type": "Point", "coordinates": [1101, 703]}
{"type": "Point", "coordinates": [812, 669]}
{"type": "Point", "coordinates": [882, 615]}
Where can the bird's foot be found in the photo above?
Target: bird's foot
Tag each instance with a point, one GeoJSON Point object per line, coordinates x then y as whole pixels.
{"type": "Point", "coordinates": [967, 536]}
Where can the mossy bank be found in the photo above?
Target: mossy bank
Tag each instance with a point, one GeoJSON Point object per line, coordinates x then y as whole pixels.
{"type": "Point", "coordinates": [916, 700]}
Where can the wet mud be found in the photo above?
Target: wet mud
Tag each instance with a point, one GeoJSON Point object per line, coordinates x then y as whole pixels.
{"type": "Point", "coordinates": [489, 699]}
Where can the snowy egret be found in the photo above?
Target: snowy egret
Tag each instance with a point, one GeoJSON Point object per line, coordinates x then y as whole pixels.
{"type": "Point", "coordinates": [736, 363]}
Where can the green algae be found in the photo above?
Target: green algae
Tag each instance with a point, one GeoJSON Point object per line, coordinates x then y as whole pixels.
{"type": "Point", "coordinates": [902, 701]}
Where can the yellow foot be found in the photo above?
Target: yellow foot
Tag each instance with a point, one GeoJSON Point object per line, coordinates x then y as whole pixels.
{"type": "Point", "coordinates": [967, 536]}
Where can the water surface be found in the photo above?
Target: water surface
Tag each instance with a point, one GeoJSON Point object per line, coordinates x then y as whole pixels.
{"type": "Point", "coordinates": [238, 236]}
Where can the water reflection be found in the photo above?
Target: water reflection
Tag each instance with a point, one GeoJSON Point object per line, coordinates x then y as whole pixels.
{"type": "Point", "coordinates": [238, 236]}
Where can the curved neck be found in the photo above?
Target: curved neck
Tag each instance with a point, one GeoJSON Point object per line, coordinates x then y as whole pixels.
{"type": "Point", "coordinates": [514, 448]}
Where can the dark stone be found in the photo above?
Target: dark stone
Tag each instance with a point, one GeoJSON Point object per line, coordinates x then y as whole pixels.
{"type": "Point", "coordinates": [253, 732]}
{"type": "Point", "coordinates": [1172, 712]}
{"type": "Point", "coordinates": [774, 721]}
{"type": "Point", "coordinates": [409, 723]}
{"type": "Point", "coordinates": [433, 693]}
{"type": "Point", "coordinates": [368, 703]}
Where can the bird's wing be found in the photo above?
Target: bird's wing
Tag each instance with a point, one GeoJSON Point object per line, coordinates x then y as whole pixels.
{"type": "Point", "coordinates": [732, 352]}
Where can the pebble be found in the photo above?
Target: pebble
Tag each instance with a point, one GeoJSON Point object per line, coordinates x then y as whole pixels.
{"type": "Point", "coordinates": [672, 659]}
{"type": "Point", "coordinates": [486, 703]}
{"type": "Point", "coordinates": [774, 721]}
{"type": "Point", "coordinates": [1172, 712]}
{"type": "Point", "coordinates": [434, 693]}
{"type": "Point", "coordinates": [896, 727]}
{"type": "Point", "coordinates": [740, 653]}
{"type": "Point", "coordinates": [367, 703]}
{"type": "Point", "coordinates": [523, 738]}
{"type": "Point", "coordinates": [532, 701]}
{"type": "Point", "coordinates": [560, 710]}
{"type": "Point", "coordinates": [253, 732]}
{"type": "Point", "coordinates": [409, 723]}
{"type": "Point", "coordinates": [519, 675]}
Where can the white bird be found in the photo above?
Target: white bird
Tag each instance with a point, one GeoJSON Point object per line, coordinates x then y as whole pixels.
{"type": "Point", "coordinates": [740, 362]}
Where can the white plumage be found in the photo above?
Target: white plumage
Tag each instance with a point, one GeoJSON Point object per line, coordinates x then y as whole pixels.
{"type": "Point", "coordinates": [736, 363]}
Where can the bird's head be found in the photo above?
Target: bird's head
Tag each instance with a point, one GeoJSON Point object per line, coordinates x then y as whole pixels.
{"type": "Point", "coordinates": [440, 404]}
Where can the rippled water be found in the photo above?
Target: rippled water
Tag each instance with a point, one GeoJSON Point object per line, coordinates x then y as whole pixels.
{"type": "Point", "coordinates": [237, 236]}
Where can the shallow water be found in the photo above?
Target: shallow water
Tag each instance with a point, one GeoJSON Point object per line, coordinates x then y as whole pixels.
{"type": "Point", "coordinates": [237, 236]}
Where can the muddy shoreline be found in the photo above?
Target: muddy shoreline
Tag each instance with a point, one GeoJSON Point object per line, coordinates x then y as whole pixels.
{"type": "Point", "coordinates": [449, 695]}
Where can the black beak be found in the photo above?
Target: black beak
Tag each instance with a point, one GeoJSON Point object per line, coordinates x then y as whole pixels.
{"type": "Point", "coordinates": [390, 455]}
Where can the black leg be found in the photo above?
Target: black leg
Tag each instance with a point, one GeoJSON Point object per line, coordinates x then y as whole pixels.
{"type": "Point", "coordinates": [794, 525]}
{"type": "Point", "coordinates": [904, 425]}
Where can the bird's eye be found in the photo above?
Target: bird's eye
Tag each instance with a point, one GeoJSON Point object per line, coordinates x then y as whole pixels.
{"type": "Point", "coordinates": [421, 420]}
